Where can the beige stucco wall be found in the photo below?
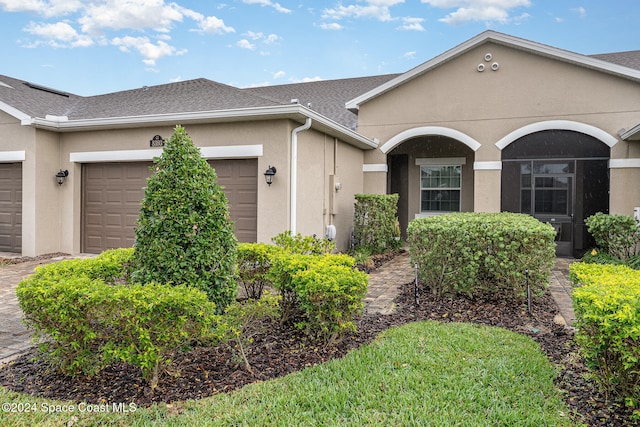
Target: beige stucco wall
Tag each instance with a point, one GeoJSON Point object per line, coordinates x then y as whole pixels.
{"type": "Point", "coordinates": [527, 89]}
{"type": "Point", "coordinates": [319, 156]}
{"type": "Point", "coordinates": [324, 161]}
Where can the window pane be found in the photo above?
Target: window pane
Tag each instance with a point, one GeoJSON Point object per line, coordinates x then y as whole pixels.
{"type": "Point", "coordinates": [440, 188]}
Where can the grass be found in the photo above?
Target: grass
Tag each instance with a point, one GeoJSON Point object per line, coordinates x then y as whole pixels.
{"type": "Point", "coordinates": [420, 374]}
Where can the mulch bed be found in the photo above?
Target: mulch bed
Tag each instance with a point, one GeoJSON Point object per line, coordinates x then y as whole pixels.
{"type": "Point", "coordinates": [206, 371]}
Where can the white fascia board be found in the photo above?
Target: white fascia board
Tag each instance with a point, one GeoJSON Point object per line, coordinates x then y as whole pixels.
{"type": "Point", "coordinates": [12, 156]}
{"type": "Point", "coordinates": [294, 111]}
{"type": "Point", "coordinates": [115, 156]}
{"type": "Point", "coordinates": [219, 152]}
{"type": "Point", "coordinates": [632, 134]}
{"type": "Point", "coordinates": [502, 39]}
{"type": "Point", "coordinates": [24, 118]}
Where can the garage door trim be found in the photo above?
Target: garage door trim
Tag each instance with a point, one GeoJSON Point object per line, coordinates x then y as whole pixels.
{"type": "Point", "coordinates": [218, 152]}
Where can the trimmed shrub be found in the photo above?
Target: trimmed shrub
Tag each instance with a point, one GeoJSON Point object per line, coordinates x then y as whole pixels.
{"type": "Point", "coordinates": [254, 262]}
{"type": "Point", "coordinates": [482, 253]}
{"type": "Point", "coordinates": [320, 293]}
{"type": "Point", "coordinates": [607, 308]}
{"type": "Point", "coordinates": [618, 235]}
{"type": "Point", "coordinates": [303, 245]}
{"type": "Point", "coordinates": [376, 228]}
{"type": "Point", "coordinates": [331, 295]}
{"type": "Point", "coordinates": [184, 235]}
{"type": "Point", "coordinates": [88, 324]}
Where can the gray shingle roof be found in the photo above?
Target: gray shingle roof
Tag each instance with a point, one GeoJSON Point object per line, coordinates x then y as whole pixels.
{"type": "Point", "coordinates": [327, 97]}
{"type": "Point", "coordinates": [181, 97]}
{"type": "Point", "coordinates": [22, 96]}
{"type": "Point", "coordinates": [630, 59]}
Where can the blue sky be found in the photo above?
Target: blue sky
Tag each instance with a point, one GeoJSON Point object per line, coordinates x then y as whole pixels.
{"type": "Point", "coordinates": [100, 46]}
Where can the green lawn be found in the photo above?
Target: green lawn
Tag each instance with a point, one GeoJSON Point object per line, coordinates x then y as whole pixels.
{"type": "Point", "coordinates": [427, 373]}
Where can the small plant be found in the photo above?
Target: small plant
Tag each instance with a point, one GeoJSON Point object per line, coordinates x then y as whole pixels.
{"type": "Point", "coordinates": [254, 262]}
{"type": "Point", "coordinates": [244, 320]}
{"type": "Point", "coordinates": [320, 293]}
{"type": "Point", "coordinates": [303, 245]}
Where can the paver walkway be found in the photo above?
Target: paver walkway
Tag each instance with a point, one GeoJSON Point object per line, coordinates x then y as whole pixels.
{"type": "Point", "coordinates": [383, 288]}
{"type": "Point", "coordinates": [384, 283]}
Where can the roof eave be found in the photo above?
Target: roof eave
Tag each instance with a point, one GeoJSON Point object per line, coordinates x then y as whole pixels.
{"type": "Point", "coordinates": [14, 112]}
{"type": "Point", "coordinates": [294, 112]}
{"type": "Point", "coordinates": [632, 134]}
{"type": "Point", "coordinates": [504, 39]}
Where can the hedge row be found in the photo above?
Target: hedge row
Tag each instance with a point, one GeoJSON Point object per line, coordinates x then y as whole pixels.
{"type": "Point", "coordinates": [607, 308]}
{"type": "Point", "coordinates": [376, 229]}
{"type": "Point", "coordinates": [480, 253]}
{"type": "Point", "coordinates": [616, 235]}
{"type": "Point", "coordinates": [321, 294]}
{"type": "Point", "coordinates": [88, 322]}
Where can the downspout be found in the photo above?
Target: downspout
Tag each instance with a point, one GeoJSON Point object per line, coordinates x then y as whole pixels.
{"type": "Point", "coordinates": [293, 196]}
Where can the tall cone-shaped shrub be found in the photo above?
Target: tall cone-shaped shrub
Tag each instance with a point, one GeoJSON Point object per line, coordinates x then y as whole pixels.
{"type": "Point", "coordinates": [183, 234]}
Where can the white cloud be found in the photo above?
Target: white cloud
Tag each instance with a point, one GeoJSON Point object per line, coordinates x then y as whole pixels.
{"type": "Point", "coordinates": [330, 26]}
{"type": "Point", "coordinates": [271, 38]}
{"type": "Point", "coordinates": [60, 34]}
{"type": "Point", "coordinates": [279, 74]}
{"type": "Point", "coordinates": [376, 9]}
{"type": "Point", "coordinates": [150, 52]}
{"type": "Point", "coordinates": [412, 24]}
{"type": "Point", "coordinates": [45, 8]}
{"type": "Point", "coordinates": [410, 55]}
{"type": "Point", "coordinates": [306, 79]}
{"type": "Point", "coordinates": [111, 22]}
{"type": "Point", "coordinates": [130, 14]}
{"type": "Point", "coordinates": [580, 11]}
{"type": "Point", "coordinates": [213, 25]}
{"type": "Point", "coordinates": [268, 39]}
{"type": "Point", "coordinates": [245, 44]}
{"type": "Point", "coordinates": [263, 3]}
{"type": "Point", "coordinates": [477, 10]}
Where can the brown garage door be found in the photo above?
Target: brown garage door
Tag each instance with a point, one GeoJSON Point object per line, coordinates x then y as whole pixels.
{"type": "Point", "coordinates": [112, 194]}
{"type": "Point", "coordinates": [11, 207]}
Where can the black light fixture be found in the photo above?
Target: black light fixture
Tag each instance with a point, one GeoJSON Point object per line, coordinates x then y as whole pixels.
{"type": "Point", "coordinates": [60, 176]}
{"type": "Point", "coordinates": [269, 174]}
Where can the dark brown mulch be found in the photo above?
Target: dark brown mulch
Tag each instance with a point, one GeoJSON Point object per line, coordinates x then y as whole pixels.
{"type": "Point", "coordinates": [207, 371]}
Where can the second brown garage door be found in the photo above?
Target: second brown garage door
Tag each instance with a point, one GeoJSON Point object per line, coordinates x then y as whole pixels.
{"type": "Point", "coordinates": [111, 194]}
{"type": "Point", "coordinates": [11, 207]}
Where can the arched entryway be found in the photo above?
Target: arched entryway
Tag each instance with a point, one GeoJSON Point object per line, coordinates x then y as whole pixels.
{"type": "Point", "coordinates": [432, 174]}
{"type": "Point", "coordinates": [560, 177]}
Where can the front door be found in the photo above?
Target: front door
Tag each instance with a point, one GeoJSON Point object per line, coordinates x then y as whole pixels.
{"type": "Point", "coordinates": [548, 193]}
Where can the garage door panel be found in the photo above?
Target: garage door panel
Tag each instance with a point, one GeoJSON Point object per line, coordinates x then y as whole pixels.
{"type": "Point", "coordinates": [114, 197]}
{"type": "Point", "coordinates": [112, 193]}
{"type": "Point", "coordinates": [6, 196]}
{"type": "Point", "coordinates": [11, 207]}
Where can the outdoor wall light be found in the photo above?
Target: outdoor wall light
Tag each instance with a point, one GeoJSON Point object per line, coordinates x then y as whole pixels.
{"type": "Point", "coordinates": [269, 174]}
{"type": "Point", "coordinates": [60, 176]}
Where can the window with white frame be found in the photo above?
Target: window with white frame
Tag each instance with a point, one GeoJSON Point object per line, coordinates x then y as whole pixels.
{"type": "Point", "coordinates": [440, 184]}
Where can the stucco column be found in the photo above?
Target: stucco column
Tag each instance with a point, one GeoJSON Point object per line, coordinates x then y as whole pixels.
{"type": "Point", "coordinates": [487, 190]}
